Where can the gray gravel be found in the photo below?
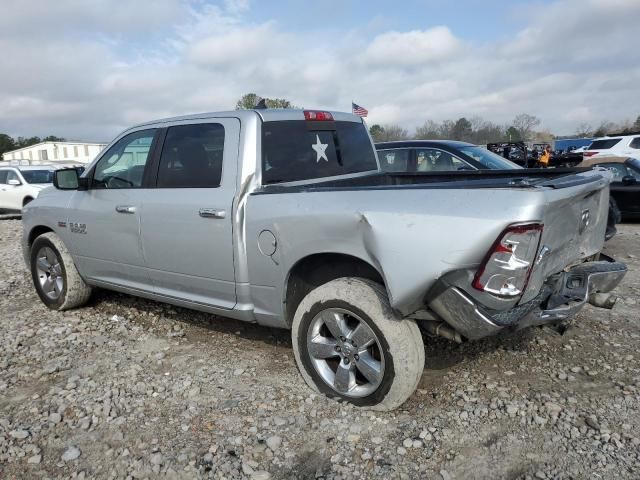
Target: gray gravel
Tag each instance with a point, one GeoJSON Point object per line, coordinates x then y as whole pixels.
{"type": "Point", "coordinates": [128, 388]}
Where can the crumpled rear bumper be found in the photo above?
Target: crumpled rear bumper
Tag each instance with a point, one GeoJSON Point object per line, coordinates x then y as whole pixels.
{"type": "Point", "coordinates": [562, 296]}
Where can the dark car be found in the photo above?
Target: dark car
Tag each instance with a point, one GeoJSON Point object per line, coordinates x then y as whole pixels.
{"type": "Point", "coordinates": [625, 188]}
{"type": "Point", "coordinates": [438, 156]}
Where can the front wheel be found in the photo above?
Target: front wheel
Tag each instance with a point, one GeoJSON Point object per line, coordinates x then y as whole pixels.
{"type": "Point", "coordinates": [57, 281]}
{"type": "Point", "coordinates": [351, 346]}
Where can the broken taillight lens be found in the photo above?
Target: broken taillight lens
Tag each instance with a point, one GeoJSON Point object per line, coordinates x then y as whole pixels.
{"type": "Point", "coordinates": [506, 268]}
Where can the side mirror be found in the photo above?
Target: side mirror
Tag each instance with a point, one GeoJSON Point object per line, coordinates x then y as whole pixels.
{"type": "Point", "coordinates": [66, 179]}
{"type": "Point", "coordinates": [14, 181]}
{"type": "Point", "coordinates": [629, 180]}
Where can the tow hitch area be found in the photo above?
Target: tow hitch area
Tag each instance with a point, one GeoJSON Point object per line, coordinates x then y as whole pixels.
{"type": "Point", "coordinates": [576, 287]}
{"type": "Point", "coordinates": [562, 296]}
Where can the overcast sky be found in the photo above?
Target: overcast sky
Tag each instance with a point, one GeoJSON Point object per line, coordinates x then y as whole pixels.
{"type": "Point", "coordinates": [86, 69]}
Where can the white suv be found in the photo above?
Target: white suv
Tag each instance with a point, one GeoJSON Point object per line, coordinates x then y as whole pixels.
{"type": "Point", "coordinates": [620, 146]}
{"type": "Point", "coordinates": [20, 185]}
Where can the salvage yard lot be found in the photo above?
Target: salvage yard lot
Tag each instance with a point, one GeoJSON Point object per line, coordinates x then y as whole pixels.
{"type": "Point", "coordinates": [132, 388]}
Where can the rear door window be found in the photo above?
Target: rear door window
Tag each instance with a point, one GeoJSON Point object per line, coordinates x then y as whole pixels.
{"type": "Point", "coordinates": [604, 144]}
{"type": "Point", "coordinates": [3, 176]}
{"type": "Point", "coordinates": [298, 150]}
{"type": "Point", "coordinates": [394, 160]}
{"type": "Point", "coordinates": [192, 156]}
{"type": "Point", "coordinates": [635, 143]}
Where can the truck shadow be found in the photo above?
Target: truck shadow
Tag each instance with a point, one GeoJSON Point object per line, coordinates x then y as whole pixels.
{"type": "Point", "coordinates": [444, 354]}
{"type": "Point", "coordinates": [182, 322]}
{"type": "Point", "coordinates": [440, 354]}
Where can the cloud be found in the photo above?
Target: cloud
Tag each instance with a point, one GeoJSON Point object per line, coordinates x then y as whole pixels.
{"type": "Point", "coordinates": [87, 70]}
{"type": "Point", "coordinates": [236, 46]}
{"type": "Point", "coordinates": [412, 48]}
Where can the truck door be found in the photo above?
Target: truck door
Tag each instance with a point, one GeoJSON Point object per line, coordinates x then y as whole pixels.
{"type": "Point", "coordinates": [104, 221]}
{"type": "Point", "coordinates": [187, 232]}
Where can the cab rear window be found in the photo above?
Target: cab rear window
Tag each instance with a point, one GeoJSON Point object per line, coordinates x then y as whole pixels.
{"type": "Point", "coordinates": [297, 150]}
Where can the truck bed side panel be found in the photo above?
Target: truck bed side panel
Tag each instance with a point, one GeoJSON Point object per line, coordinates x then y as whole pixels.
{"type": "Point", "coordinates": [411, 237]}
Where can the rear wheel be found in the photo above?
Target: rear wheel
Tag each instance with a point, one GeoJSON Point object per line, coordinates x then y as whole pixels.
{"type": "Point", "coordinates": [57, 281]}
{"type": "Point", "coordinates": [350, 345]}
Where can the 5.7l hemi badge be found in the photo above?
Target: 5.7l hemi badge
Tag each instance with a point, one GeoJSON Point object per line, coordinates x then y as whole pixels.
{"type": "Point", "coordinates": [78, 227]}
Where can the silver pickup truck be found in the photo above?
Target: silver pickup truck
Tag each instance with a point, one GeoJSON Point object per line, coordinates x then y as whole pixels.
{"type": "Point", "coordinates": [282, 217]}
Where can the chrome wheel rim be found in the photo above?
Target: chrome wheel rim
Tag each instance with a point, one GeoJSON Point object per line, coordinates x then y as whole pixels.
{"type": "Point", "coordinates": [49, 273]}
{"type": "Point", "coordinates": [345, 352]}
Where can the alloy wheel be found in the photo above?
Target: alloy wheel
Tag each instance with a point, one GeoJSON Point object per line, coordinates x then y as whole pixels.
{"type": "Point", "coordinates": [345, 352]}
{"type": "Point", "coordinates": [49, 270]}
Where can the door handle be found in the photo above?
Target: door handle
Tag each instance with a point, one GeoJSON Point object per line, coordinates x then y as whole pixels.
{"type": "Point", "coordinates": [212, 213]}
{"type": "Point", "coordinates": [125, 209]}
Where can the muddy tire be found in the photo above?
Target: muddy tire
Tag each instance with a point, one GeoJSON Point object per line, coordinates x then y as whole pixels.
{"type": "Point", "coordinates": [57, 281]}
{"type": "Point", "coordinates": [351, 346]}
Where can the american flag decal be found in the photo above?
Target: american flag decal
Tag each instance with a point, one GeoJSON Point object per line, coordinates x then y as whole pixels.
{"type": "Point", "coordinates": [358, 110]}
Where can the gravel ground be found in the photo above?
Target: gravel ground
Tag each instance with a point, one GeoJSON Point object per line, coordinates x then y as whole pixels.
{"type": "Point", "coordinates": [128, 388]}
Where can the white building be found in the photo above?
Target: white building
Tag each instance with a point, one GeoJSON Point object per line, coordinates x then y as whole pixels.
{"type": "Point", "coordinates": [53, 152]}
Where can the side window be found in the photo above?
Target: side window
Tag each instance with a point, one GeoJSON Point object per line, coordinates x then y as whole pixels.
{"type": "Point", "coordinates": [3, 176]}
{"type": "Point", "coordinates": [633, 173]}
{"type": "Point", "coordinates": [12, 175]}
{"type": "Point", "coordinates": [434, 160]}
{"type": "Point", "coordinates": [618, 170]}
{"type": "Point", "coordinates": [123, 165]}
{"type": "Point", "coordinates": [395, 160]}
{"type": "Point", "coordinates": [635, 143]}
{"type": "Point", "coordinates": [192, 156]}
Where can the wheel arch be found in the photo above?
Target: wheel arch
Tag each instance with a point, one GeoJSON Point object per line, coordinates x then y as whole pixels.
{"type": "Point", "coordinates": [317, 269]}
{"type": "Point", "coordinates": [27, 199]}
{"type": "Point", "coordinates": [36, 231]}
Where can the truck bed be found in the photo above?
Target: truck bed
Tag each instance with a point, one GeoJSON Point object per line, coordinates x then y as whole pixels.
{"type": "Point", "coordinates": [532, 177]}
{"type": "Point", "coordinates": [418, 227]}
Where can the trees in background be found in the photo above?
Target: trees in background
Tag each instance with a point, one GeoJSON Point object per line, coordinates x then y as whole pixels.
{"type": "Point", "coordinates": [6, 143]}
{"type": "Point", "coordinates": [525, 124]}
{"type": "Point", "coordinates": [524, 127]}
{"type": "Point", "coordinates": [250, 100]}
{"type": "Point", "coordinates": [584, 130]}
{"type": "Point", "coordinates": [388, 133]}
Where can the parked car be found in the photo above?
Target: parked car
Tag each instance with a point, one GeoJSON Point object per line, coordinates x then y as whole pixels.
{"type": "Point", "coordinates": [21, 185]}
{"type": "Point", "coordinates": [625, 187]}
{"type": "Point", "coordinates": [620, 145]}
{"type": "Point", "coordinates": [438, 155]}
{"type": "Point", "coordinates": [283, 217]}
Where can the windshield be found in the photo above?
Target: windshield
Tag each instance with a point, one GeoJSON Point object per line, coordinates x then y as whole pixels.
{"type": "Point", "coordinates": [488, 159]}
{"type": "Point", "coordinates": [37, 176]}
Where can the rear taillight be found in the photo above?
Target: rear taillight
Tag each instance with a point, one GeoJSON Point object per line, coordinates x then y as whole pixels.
{"type": "Point", "coordinates": [317, 116]}
{"type": "Point", "coordinates": [588, 154]}
{"type": "Point", "coordinates": [506, 268]}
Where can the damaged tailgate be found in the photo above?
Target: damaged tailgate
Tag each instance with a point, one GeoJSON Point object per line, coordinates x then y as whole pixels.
{"type": "Point", "coordinates": [575, 221]}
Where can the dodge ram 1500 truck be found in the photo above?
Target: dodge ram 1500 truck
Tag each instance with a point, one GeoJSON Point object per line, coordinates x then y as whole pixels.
{"type": "Point", "coordinates": [283, 217]}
